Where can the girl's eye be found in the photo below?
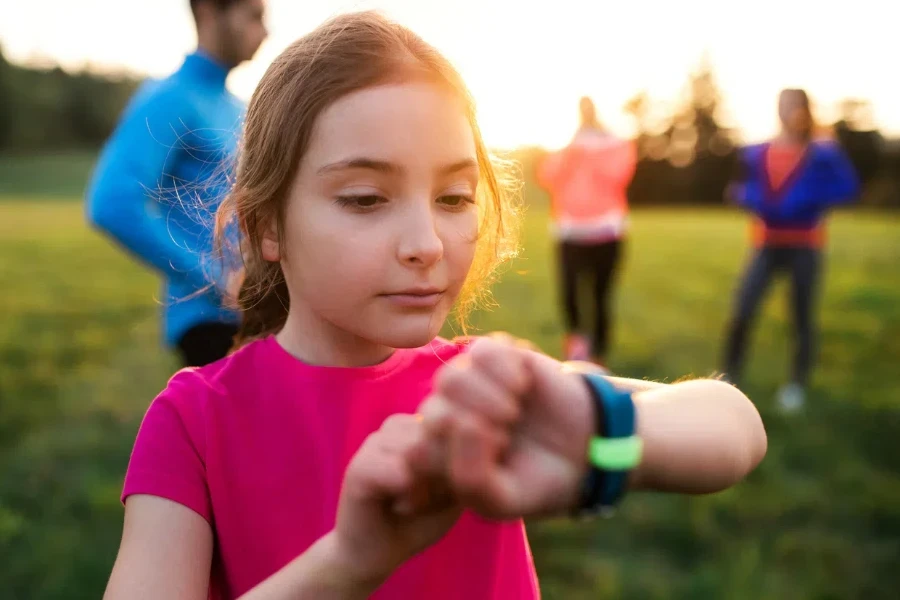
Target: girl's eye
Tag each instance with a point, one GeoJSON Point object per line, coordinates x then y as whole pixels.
{"type": "Point", "coordinates": [456, 200]}
{"type": "Point", "coordinates": [361, 202]}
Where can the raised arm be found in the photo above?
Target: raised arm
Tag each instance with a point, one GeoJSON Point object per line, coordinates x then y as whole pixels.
{"type": "Point", "coordinates": [523, 452]}
{"type": "Point", "coordinates": [700, 436]}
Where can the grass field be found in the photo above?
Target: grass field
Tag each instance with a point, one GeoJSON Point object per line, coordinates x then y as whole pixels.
{"type": "Point", "coordinates": [80, 360]}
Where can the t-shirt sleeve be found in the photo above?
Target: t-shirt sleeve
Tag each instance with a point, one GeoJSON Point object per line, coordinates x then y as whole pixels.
{"type": "Point", "coordinates": [168, 456]}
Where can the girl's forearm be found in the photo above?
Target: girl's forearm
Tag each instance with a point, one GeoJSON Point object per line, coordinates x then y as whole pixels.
{"type": "Point", "coordinates": [699, 436]}
{"type": "Point", "coordinates": [323, 572]}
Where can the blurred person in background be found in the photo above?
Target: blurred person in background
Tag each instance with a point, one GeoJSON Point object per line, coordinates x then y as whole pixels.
{"type": "Point", "coordinates": [587, 182]}
{"type": "Point", "coordinates": [165, 168]}
{"type": "Point", "coordinates": [788, 185]}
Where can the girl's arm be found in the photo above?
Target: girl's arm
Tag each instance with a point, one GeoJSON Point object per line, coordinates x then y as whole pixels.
{"type": "Point", "coordinates": [680, 422]}
{"type": "Point", "coordinates": [699, 436]}
{"type": "Point", "coordinates": [166, 548]}
{"type": "Point", "coordinates": [512, 431]}
{"type": "Point", "coordinates": [166, 552]}
{"type": "Point", "coordinates": [324, 571]}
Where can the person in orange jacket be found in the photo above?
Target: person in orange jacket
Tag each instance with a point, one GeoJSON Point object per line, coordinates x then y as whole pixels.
{"type": "Point", "coordinates": [587, 182]}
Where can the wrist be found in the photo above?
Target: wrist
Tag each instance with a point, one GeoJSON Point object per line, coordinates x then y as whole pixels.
{"type": "Point", "coordinates": [577, 437]}
{"type": "Point", "coordinates": [614, 449]}
{"type": "Point", "coordinates": [344, 569]}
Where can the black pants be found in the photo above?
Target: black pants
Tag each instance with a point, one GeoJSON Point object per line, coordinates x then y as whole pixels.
{"type": "Point", "coordinates": [595, 263]}
{"type": "Point", "coordinates": [803, 266]}
{"type": "Point", "coordinates": [206, 343]}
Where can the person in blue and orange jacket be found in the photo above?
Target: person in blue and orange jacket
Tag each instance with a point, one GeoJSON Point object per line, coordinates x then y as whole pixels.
{"type": "Point", "coordinates": [788, 184]}
{"type": "Point", "coordinates": [587, 182]}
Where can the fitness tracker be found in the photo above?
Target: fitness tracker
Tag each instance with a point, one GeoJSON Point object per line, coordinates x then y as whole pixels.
{"type": "Point", "coordinates": [613, 452]}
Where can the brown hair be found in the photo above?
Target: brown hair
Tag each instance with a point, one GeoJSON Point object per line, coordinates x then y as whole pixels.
{"type": "Point", "coordinates": [345, 54]}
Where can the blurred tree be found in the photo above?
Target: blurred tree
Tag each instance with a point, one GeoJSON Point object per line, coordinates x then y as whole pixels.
{"type": "Point", "coordinates": [855, 131]}
{"type": "Point", "coordinates": [701, 144]}
{"type": "Point", "coordinates": [49, 109]}
{"type": "Point", "coordinates": [686, 155]}
{"type": "Point", "coordinates": [877, 161]}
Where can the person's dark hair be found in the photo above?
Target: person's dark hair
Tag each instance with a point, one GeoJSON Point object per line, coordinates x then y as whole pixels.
{"type": "Point", "coordinates": [797, 92]}
{"type": "Point", "coordinates": [218, 4]}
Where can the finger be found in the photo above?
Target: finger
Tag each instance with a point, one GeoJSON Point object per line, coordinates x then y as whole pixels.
{"type": "Point", "coordinates": [502, 358]}
{"type": "Point", "coordinates": [436, 413]}
{"type": "Point", "coordinates": [378, 474]}
{"type": "Point", "coordinates": [400, 431]}
{"type": "Point", "coordinates": [385, 475]}
{"type": "Point", "coordinates": [427, 494]}
{"type": "Point", "coordinates": [476, 475]}
{"type": "Point", "coordinates": [475, 390]}
{"type": "Point", "coordinates": [402, 437]}
{"type": "Point", "coordinates": [428, 457]}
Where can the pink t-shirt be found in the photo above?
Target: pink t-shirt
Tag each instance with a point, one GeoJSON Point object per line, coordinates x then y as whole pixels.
{"type": "Point", "coordinates": [257, 444]}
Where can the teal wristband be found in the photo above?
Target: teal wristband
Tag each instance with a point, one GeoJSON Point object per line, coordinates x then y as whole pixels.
{"type": "Point", "coordinates": [614, 450]}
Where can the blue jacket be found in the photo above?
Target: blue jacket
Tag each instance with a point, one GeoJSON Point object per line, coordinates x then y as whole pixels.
{"type": "Point", "coordinates": [160, 178]}
{"type": "Point", "coordinates": [825, 178]}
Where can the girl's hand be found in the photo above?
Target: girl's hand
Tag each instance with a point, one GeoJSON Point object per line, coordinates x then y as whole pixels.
{"type": "Point", "coordinates": [510, 430]}
{"type": "Point", "coordinates": [386, 512]}
{"type": "Point", "coordinates": [515, 427]}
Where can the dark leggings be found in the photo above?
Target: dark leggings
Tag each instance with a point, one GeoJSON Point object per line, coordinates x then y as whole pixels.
{"type": "Point", "coordinates": [596, 263]}
{"type": "Point", "coordinates": [803, 266]}
{"type": "Point", "coordinates": [206, 343]}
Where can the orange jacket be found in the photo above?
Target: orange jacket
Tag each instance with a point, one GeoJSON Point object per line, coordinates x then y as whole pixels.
{"type": "Point", "coordinates": [587, 181]}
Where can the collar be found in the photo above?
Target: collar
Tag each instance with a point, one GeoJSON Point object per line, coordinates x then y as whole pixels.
{"type": "Point", "coordinates": [201, 66]}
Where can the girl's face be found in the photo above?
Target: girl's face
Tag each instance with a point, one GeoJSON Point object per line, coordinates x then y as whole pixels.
{"type": "Point", "coordinates": [381, 223]}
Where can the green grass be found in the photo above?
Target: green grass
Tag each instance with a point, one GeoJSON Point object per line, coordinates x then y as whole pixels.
{"type": "Point", "coordinates": [63, 175]}
{"type": "Point", "coordinates": [80, 360]}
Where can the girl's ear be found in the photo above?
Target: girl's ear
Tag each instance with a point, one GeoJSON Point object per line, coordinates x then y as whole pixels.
{"type": "Point", "coordinates": [271, 249]}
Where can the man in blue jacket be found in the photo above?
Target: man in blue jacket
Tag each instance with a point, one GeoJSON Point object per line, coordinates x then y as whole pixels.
{"type": "Point", "coordinates": [163, 172]}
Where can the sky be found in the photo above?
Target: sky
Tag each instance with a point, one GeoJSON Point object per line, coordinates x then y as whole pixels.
{"type": "Point", "coordinates": [527, 63]}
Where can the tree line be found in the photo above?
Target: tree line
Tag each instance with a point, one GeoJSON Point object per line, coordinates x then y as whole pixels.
{"type": "Point", "coordinates": [50, 109]}
{"type": "Point", "coordinates": [686, 155]}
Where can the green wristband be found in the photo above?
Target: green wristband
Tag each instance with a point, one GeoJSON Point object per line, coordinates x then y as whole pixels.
{"type": "Point", "coordinates": [615, 454]}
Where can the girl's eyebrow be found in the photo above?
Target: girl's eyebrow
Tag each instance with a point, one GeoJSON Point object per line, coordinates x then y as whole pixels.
{"type": "Point", "coordinates": [390, 168]}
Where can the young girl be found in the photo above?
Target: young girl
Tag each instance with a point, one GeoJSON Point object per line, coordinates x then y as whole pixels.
{"type": "Point", "coordinates": [295, 468]}
{"type": "Point", "coordinates": [789, 185]}
{"type": "Point", "coordinates": [587, 181]}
